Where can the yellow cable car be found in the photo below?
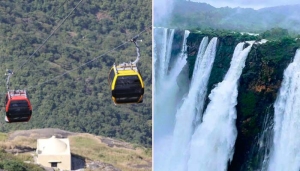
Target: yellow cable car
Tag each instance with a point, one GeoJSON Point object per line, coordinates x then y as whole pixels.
{"type": "Point", "coordinates": [126, 84]}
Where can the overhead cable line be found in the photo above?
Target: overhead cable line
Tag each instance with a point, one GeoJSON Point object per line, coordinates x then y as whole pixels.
{"type": "Point", "coordinates": [9, 72]}
{"type": "Point", "coordinates": [56, 77]}
{"type": "Point", "coordinates": [45, 41]}
{"type": "Point", "coordinates": [51, 15]}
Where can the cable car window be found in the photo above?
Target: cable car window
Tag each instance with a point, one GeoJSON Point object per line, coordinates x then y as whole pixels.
{"type": "Point", "coordinates": [18, 103]}
{"type": "Point", "coordinates": [111, 76]}
{"type": "Point", "coordinates": [128, 98]}
{"type": "Point", "coordinates": [128, 80]}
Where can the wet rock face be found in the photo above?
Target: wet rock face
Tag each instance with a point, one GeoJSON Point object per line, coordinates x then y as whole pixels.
{"type": "Point", "coordinates": [259, 84]}
{"type": "Point", "coordinates": [258, 87]}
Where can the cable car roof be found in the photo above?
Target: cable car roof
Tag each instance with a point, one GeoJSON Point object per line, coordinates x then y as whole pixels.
{"type": "Point", "coordinates": [126, 68]}
{"type": "Point", "coordinates": [17, 94]}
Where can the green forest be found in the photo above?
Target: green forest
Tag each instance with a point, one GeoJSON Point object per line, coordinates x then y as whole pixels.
{"type": "Point", "coordinates": [66, 79]}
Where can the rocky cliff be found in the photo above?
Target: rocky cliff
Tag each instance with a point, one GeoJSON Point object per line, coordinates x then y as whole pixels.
{"type": "Point", "coordinates": [259, 84]}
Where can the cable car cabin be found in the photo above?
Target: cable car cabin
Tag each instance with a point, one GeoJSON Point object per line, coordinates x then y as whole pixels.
{"type": "Point", "coordinates": [126, 84]}
{"type": "Point", "coordinates": [17, 106]}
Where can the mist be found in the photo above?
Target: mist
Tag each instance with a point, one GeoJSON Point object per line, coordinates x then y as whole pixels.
{"type": "Point", "coordinates": [162, 10]}
{"type": "Point", "coordinates": [254, 4]}
{"type": "Point", "coordinates": [190, 15]}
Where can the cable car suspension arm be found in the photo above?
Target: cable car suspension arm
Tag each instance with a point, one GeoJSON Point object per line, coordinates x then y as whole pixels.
{"type": "Point", "coordinates": [134, 40]}
{"type": "Point", "coordinates": [9, 73]}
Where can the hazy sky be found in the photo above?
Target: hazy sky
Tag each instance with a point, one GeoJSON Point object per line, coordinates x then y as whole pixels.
{"type": "Point", "coordinates": [256, 4]}
{"type": "Point", "coordinates": [162, 10]}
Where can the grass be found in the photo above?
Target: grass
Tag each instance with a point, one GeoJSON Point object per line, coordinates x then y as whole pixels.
{"type": "Point", "coordinates": [91, 148]}
{"type": "Point", "coordinates": [25, 157]}
{"type": "Point", "coordinates": [3, 136]}
{"type": "Point", "coordinates": [18, 141]}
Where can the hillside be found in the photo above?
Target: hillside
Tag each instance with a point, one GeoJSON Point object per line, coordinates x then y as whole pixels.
{"type": "Point", "coordinates": [66, 79]}
{"type": "Point", "coordinates": [88, 151]}
{"type": "Point", "coordinates": [202, 15]}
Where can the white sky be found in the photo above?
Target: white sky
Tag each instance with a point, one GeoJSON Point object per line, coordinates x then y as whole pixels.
{"type": "Point", "coordinates": [256, 4]}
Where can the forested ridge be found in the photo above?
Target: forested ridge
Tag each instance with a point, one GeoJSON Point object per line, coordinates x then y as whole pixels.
{"type": "Point", "coordinates": [66, 90]}
{"type": "Point", "coordinates": [200, 15]}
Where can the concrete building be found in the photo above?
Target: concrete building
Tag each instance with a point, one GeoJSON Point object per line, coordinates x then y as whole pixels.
{"type": "Point", "coordinates": [54, 152]}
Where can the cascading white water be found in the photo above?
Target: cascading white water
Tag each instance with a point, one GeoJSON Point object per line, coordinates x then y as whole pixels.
{"type": "Point", "coordinates": [285, 154]}
{"type": "Point", "coordinates": [212, 143]}
{"type": "Point", "coordinates": [165, 91]}
{"type": "Point", "coordinates": [180, 151]}
{"type": "Point", "coordinates": [187, 114]}
{"type": "Point", "coordinates": [162, 47]}
{"type": "Point", "coordinates": [166, 86]}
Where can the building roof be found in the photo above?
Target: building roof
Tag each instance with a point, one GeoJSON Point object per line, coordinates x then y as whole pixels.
{"type": "Point", "coordinates": [53, 146]}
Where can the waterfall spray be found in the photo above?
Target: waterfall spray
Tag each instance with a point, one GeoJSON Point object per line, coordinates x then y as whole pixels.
{"type": "Point", "coordinates": [165, 91]}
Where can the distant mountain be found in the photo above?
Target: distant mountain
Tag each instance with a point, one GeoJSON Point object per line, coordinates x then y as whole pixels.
{"type": "Point", "coordinates": [202, 15]}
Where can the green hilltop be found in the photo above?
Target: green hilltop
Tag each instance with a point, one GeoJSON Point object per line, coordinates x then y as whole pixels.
{"type": "Point", "coordinates": [67, 88]}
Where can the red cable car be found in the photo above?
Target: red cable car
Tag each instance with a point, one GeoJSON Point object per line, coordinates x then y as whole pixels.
{"type": "Point", "coordinates": [17, 106]}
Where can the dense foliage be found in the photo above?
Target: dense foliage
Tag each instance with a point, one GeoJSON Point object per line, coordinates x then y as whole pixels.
{"type": "Point", "coordinates": [66, 92]}
{"type": "Point", "coordinates": [275, 33]}
{"type": "Point", "coordinates": [11, 163]}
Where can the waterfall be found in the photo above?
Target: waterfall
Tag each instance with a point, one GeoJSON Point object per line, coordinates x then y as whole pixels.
{"type": "Point", "coordinates": [212, 143]}
{"type": "Point", "coordinates": [285, 153]}
{"type": "Point", "coordinates": [166, 90]}
{"type": "Point", "coordinates": [183, 138]}
{"type": "Point", "coordinates": [162, 47]}
{"type": "Point", "coordinates": [187, 113]}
